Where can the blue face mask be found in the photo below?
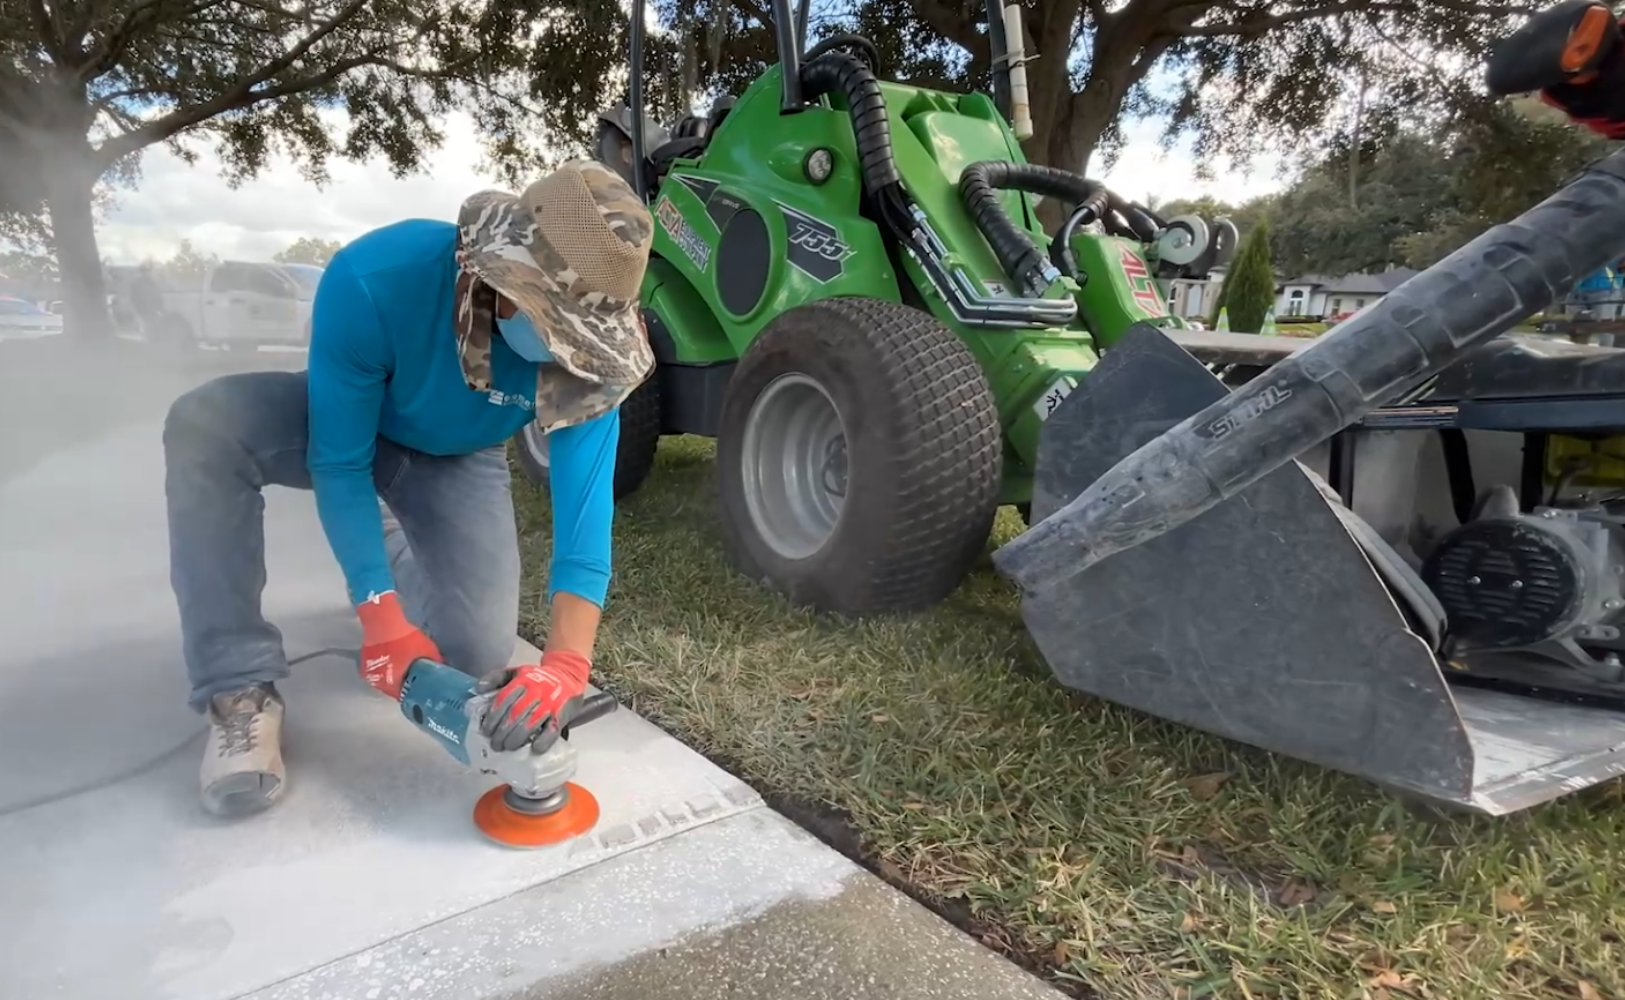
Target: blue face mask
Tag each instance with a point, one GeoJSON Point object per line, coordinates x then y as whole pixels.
{"type": "Point", "coordinates": [522, 337]}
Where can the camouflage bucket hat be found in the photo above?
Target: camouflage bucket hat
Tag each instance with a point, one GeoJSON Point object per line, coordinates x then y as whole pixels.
{"type": "Point", "coordinates": [570, 252]}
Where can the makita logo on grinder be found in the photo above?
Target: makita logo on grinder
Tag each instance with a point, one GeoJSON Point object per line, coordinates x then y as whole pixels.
{"type": "Point", "coordinates": [443, 731]}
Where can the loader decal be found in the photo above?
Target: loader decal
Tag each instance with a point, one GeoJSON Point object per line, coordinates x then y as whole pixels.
{"type": "Point", "coordinates": [719, 204]}
{"type": "Point", "coordinates": [816, 249]}
{"type": "Point", "coordinates": [683, 234]}
{"type": "Point", "coordinates": [1141, 283]}
{"type": "Point", "coordinates": [702, 188]}
{"type": "Point", "coordinates": [1054, 396]}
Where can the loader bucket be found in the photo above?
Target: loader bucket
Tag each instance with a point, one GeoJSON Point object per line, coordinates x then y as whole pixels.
{"type": "Point", "coordinates": [1271, 619]}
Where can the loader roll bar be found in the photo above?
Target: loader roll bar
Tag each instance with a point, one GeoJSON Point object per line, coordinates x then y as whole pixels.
{"type": "Point", "coordinates": [640, 179]}
{"type": "Point", "coordinates": [1000, 66]}
{"type": "Point", "coordinates": [788, 40]}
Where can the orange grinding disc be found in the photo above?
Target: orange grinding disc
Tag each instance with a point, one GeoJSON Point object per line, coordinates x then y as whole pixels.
{"type": "Point", "coordinates": [511, 828]}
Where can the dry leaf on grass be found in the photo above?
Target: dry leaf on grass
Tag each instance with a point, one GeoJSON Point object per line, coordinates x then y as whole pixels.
{"type": "Point", "coordinates": [1062, 953]}
{"type": "Point", "coordinates": [1508, 901]}
{"type": "Point", "coordinates": [1384, 906]}
{"type": "Point", "coordinates": [1388, 982]}
{"type": "Point", "coordinates": [1205, 786]}
{"type": "Point", "coordinates": [1588, 992]}
{"type": "Point", "coordinates": [881, 717]}
{"type": "Point", "coordinates": [1295, 893]}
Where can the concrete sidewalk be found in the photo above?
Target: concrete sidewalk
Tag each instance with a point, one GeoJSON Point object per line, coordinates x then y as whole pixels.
{"type": "Point", "coordinates": [368, 880]}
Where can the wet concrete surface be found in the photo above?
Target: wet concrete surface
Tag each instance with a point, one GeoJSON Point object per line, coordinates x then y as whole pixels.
{"type": "Point", "coordinates": [748, 907]}
{"type": "Point", "coordinates": [866, 941]}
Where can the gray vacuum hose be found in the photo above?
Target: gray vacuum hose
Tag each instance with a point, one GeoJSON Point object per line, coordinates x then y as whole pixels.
{"type": "Point", "coordinates": [1477, 293]}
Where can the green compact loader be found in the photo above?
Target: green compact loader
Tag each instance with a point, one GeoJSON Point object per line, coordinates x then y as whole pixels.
{"type": "Point", "coordinates": [1397, 550]}
{"type": "Point", "coordinates": [850, 290]}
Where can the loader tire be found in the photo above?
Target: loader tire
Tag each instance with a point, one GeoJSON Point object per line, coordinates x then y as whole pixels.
{"type": "Point", "coordinates": [889, 414]}
{"type": "Point", "coordinates": [634, 456]}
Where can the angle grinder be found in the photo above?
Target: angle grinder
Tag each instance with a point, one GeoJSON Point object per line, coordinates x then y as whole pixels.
{"type": "Point", "coordinates": [537, 805]}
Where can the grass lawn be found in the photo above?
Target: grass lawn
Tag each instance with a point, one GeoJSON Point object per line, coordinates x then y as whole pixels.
{"type": "Point", "coordinates": [1121, 856]}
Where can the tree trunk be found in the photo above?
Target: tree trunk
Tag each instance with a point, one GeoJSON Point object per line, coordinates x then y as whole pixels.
{"type": "Point", "coordinates": [1069, 138]}
{"type": "Point", "coordinates": [1068, 126]}
{"type": "Point", "coordinates": [1354, 145]}
{"type": "Point", "coordinates": [71, 184]}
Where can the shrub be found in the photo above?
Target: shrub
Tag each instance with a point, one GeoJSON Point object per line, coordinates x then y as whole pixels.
{"type": "Point", "coordinates": [1249, 288]}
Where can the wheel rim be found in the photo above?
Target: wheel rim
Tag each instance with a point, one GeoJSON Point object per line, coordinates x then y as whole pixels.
{"type": "Point", "coordinates": [535, 441]}
{"type": "Point", "coordinates": [794, 465]}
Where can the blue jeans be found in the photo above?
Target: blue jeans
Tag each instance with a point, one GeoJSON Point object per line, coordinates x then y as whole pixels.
{"type": "Point", "coordinates": [455, 552]}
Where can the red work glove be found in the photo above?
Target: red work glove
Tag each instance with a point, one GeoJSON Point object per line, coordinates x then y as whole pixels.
{"type": "Point", "coordinates": [390, 643]}
{"type": "Point", "coordinates": [1597, 99]}
{"type": "Point", "coordinates": [530, 701]}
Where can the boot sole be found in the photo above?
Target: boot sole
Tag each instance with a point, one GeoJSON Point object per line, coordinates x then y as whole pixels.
{"type": "Point", "coordinates": [242, 794]}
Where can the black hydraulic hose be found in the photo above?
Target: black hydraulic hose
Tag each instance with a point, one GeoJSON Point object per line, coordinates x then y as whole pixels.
{"type": "Point", "coordinates": [839, 73]}
{"type": "Point", "coordinates": [836, 43]}
{"type": "Point", "coordinates": [1477, 293]}
{"type": "Point", "coordinates": [1017, 251]}
{"type": "Point", "coordinates": [1138, 220]}
{"type": "Point", "coordinates": [1060, 248]}
{"type": "Point", "coordinates": [1157, 222]}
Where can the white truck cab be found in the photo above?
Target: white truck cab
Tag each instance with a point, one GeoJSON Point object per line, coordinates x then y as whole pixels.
{"type": "Point", "coordinates": [244, 303]}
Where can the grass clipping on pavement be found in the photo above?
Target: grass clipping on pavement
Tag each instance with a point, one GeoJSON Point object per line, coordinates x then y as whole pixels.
{"type": "Point", "coordinates": [1121, 856]}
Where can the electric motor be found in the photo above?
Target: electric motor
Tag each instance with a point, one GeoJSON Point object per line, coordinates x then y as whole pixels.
{"type": "Point", "coordinates": [1515, 580]}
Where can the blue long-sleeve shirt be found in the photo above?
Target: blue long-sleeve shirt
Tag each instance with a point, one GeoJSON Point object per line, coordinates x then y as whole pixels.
{"type": "Point", "coordinates": [383, 362]}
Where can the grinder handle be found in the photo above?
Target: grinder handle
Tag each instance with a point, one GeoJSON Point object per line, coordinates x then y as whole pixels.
{"type": "Point", "coordinates": [1563, 44]}
{"type": "Point", "coordinates": [595, 707]}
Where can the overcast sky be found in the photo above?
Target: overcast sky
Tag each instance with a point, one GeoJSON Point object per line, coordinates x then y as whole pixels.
{"type": "Point", "coordinates": [176, 201]}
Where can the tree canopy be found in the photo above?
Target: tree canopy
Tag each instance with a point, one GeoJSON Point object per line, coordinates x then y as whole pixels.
{"type": "Point", "coordinates": [188, 264]}
{"type": "Point", "coordinates": [308, 250]}
{"type": "Point", "coordinates": [1419, 191]}
{"type": "Point", "coordinates": [1226, 72]}
{"type": "Point", "coordinates": [87, 85]}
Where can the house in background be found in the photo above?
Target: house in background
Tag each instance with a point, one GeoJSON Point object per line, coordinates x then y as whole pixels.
{"type": "Point", "coordinates": [1323, 298]}
{"type": "Point", "coordinates": [1326, 298]}
{"type": "Point", "coordinates": [1312, 296]}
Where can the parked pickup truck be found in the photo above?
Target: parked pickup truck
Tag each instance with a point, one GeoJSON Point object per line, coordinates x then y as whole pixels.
{"type": "Point", "coordinates": [244, 304]}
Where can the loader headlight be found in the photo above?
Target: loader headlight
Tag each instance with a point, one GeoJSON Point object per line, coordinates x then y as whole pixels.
{"type": "Point", "coordinates": [818, 165]}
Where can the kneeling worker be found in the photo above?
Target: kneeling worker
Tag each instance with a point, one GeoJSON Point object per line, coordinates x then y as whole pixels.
{"type": "Point", "coordinates": [431, 345]}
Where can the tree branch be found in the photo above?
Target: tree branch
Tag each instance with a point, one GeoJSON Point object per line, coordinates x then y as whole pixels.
{"type": "Point", "coordinates": [949, 21]}
{"type": "Point", "coordinates": [116, 41]}
{"type": "Point", "coordinates": [752, 9]}
{"type": "Point", "coordinates": [1256, 23]}
{"type": "Point", "coordinates": [47, 30]}
{"type": "Point", "coordinates": [246, 92]}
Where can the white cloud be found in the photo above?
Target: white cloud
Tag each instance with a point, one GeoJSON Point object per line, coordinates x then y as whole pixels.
{"type": "Point", "coordinates": [176, 201]}
{"type": "Point", "coordinates": [1144, 171]}
{"type": "Point", "coordinates": [254, 221]}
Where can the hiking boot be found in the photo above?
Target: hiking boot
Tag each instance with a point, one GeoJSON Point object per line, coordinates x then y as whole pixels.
{"type": "Point", "coordinates": [242, 764]}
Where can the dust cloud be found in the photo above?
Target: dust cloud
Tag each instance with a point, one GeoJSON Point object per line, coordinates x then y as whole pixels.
{"type": "Point", "coordinates": [89, 628]}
